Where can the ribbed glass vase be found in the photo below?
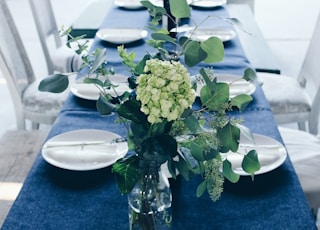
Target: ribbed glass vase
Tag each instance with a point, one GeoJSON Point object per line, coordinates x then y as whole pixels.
{"type": "Point", "coordinates": [150, 200]}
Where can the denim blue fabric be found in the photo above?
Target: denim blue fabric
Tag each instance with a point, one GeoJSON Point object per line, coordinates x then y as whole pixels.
{"type": "Point", "coordinates": [54, 198]}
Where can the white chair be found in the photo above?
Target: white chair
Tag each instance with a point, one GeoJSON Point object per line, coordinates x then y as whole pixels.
{"type": "Point", "coordinates": [304, 151]}
{"type": "Point", "coordinates": [297, 100]}
{"type": "Point", "coordinates": [58, 56]}
{"type": "Point", "coordinates": [29, 103]}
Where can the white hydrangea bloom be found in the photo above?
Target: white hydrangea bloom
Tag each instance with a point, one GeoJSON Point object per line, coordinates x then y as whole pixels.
{"type": "Point", "coordinates": [164, 90]}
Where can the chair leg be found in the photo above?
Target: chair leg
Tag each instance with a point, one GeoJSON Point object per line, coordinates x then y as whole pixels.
{"type": "Point", "coordinates": [302, 126]}
{"type": "Point", "coordinates": [35, 126]}
{"type": "Point", "coordinates": [21, 122]}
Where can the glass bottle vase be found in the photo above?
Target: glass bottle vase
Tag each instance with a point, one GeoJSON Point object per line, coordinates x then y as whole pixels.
{"type": "Point", "coordinates": [150, 200]}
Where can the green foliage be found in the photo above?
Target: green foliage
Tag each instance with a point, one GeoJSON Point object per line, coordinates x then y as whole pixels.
{"type": "Point", "coordinates": [250, 163]}
{"type": "Point", "coordinates": [228, 172]}
{"type": "Point", "coordinates": [127, 173]}
{"type": "Point", "coordinates": [179, 9]}
{"type": "Point", "coordinates": [214, 49]}
{"type": "Point", "coordinates": [241, 101]}
{"type": "Point", "coordinates": [104, 106]}
{"type": "Point", "coordinates": [55, 83]}
{"type": "Point", "coordinates": [192, 141]}
{"type": "Point", "coordinates": [229, 137]}
{"type": "Point", "coordinates": [194, 52]}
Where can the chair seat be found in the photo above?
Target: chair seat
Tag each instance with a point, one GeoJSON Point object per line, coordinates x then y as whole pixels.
{"type": "Point", "coordinates": [304, 151]}
{"type": "Point", "coordinates": [45, 103]}
{"type": "Point", "coordinates": [284, 94]}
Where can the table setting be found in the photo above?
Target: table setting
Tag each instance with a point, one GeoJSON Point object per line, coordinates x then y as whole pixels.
{"type": "Point", "coordinates": [101, 161]}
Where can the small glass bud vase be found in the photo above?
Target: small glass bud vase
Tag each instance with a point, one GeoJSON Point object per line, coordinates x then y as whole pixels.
{"type": "Point", "coordinates": [150, 200]}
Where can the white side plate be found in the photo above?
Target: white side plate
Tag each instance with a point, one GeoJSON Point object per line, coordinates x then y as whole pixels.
{"type": "Point", "coordinates": [68, 151]}
{"type": "Point", "coordinates": [128, 4]}
{"type": "Point", "coordinates": [91, 91]}
{"type": "Point", "coordinates": [160, 2]}
{"type": "Point", "coordinates": [121, 35]}
{"type": "Point", "coordinates": [202, 34]}
{"type": "Point", "coordinates": [237, 87]}
{"type": "Point", "coordinates": [271, 154]}
{"type": "Point", "coordinates": [208, 3]}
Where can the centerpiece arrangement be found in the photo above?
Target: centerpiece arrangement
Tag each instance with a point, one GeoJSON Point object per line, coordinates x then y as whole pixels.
{"type": "Point", "coordinates": [166, 128]}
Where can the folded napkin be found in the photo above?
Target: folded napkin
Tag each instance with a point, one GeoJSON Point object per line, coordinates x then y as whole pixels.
{"type": "Point", "coordinates": [79, 154]}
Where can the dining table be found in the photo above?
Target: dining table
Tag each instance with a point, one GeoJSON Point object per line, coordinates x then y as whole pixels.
{"type": "Point", "coordinates": [58, 198]}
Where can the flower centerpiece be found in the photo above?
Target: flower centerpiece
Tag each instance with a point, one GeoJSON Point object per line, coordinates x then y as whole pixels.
{"type": "Point", "coordinates": [166, 128]}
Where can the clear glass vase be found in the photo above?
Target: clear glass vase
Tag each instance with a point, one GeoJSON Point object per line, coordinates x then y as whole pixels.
{"type": "Point", "coordinates": [150, 200]}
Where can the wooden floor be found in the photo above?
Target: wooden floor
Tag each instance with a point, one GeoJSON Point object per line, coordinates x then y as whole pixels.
{"type": "Point", "coordinates": [18, 150]}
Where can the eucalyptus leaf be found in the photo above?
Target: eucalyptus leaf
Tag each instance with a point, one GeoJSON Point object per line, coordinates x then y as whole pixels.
{"type": "Point", "coordinates": [229, 137]}
{"type": "Point", "coordinates": [95, 81]}
{"type": "Point", "coordinates": [157, 129]}
{"type": "Point", "coordinates": [183, 168]}
{"type": "Point", "coordinates": [241, 101]}
{"type": "Point", "coordinates": [104, 106]}
{"type": "Point", "coordinates": [192, 123]}
{"type": "Point", "coordinates": [55, 83]}
{"type": "Point", "coordinates": [194, 54]}
{"type": "Point", "coordinates": [179, 8]}
{"type": "Point", "coordinates": [212, 153]}
{"type": "Point", "coordinates": [183, 41]}
{"type": "Point", "coordinates": [250, 162]}
{"type": "Point", "coordinates": [214, 97]}
{"type": "Point", "coordinates": [250, 75]}
{"type": "Point", "coordinates": [202, 187]}
{"type": "Point", "coordinates": [214, 48]}
{"type": "Point", "coordinates": [228, 172]}
{"type": "Point", "coordinates": [207, 79]}
{"type": "Point", "coordinates": [130, 110]}
{"type": "Point", "coordinates": [155, 11]}
{"type": "Point", "coordinates": [140, 66]}
{"type": "Point", "coordinates": [197, 151]}
{"type": "Point", "coordinates": [163, 37]}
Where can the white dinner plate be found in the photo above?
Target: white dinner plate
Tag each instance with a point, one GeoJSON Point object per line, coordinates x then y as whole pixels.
{"type": "Point", "coordinates": [121, 35]}
{"type": "Point", "coordinates": [83, 149]}
{"type": "Point", "coordinates": [128, 4]}
{"type": "Point", "coordinates": [202, 34]}
{"type": "Point", "coordinates": [160, 2]}
{"type": "Point", "coordinates": [208, 3]}
{"type": "Point", "coordinates": [237, 87]}
{"type": "Point", "coordinates": [92, 92]}
{"type": "Point", "coordinates": [271, 154]}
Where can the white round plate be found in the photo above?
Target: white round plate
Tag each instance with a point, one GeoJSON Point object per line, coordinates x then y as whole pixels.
{"type": "Point", "coordinates": [208, 3]}
{"type": "Point", "coordinates": [202, 34]}
{"type": "Point", "coordinates": [160, 2]}
{"type": "Point", "coordinates": [121, 35]}
{"type": "Point", "coordinates": [271, 154]}
{"type": "Point", "coordinates": [128, 4]}
{"type": "Point", "coordinates": [91, 91]}
{"type": "Point", "coordinates": [237, 87]}
{"type": "Point", "coordinates": [68, 150]}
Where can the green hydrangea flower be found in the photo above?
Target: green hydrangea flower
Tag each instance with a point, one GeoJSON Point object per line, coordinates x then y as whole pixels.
{"type": "Point", "coordinates": [164, 90]}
